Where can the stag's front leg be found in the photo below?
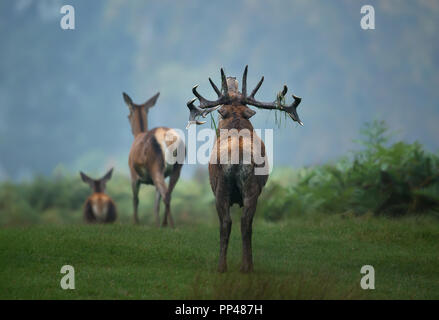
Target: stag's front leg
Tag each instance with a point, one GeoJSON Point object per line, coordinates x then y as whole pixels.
{"type": "Point", "coordinates": [223, 210]}
{"type": "Point", "coordinates": [246, 233]}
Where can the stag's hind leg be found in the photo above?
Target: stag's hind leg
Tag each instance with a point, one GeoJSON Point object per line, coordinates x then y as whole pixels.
{"type": "Point", "coordinates": [246, 233]}
{"type": "Point", "coordinates": [223, 209]}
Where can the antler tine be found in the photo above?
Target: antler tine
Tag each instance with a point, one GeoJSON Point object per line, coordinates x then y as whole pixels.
{"type": "Point", "coordinates": [204, 103]}
{"type": "Point", "coordinates": [224, 87]}
{"type": "Point", "coordinates": [252, 95]}
{"type": "Point", "coordinates": [195, 92]}
{"type": "Point", "coordinates": [244, 82]}
{"type": "Point", "coordinates": [195, 112]}
{"type": "Point", "coordinates": [297, 100]}
{"type": "Point", "coordinates": [218, 92]}
{"type": "Point", "coordinates": [292, 109]}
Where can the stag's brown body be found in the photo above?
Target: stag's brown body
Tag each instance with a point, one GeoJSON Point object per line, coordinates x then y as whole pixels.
{"type": "Point", "coordinates": [237, 181]}
{"type": "Point", "coordinates": [150, 159]}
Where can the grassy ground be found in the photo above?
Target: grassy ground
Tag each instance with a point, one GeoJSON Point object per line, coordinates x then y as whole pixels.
{"type": "Point", "coordinates": [305, 258]}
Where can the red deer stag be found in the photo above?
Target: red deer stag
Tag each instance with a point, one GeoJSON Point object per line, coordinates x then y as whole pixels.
{"type": "Point", "coordinates": [155, 154]}
{"type": "Point", "coordinates": [237, 181]}
{"type": "Point", "coordinates": [99, 207]}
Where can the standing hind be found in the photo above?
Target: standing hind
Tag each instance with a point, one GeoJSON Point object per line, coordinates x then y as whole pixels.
{"type": "Point", "coordinates": [155, 155]}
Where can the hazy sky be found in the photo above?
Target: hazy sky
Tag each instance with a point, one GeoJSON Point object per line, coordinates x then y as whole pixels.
{"type": "Point", "coordinates": [60, 90]}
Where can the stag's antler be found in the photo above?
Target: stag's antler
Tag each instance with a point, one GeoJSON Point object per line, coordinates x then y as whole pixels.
{"type": "Point", "coordinates": [207, 106]}
{"type": "Point", "coordinates": [223, 95]}
{"type": "Point", "coordinates": [198, 111]}
{"type": "Point", "coordinates": [291, 110]}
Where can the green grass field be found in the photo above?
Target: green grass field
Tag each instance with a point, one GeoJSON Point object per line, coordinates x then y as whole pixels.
{"type": "Point", "coordinates": [316, 257]}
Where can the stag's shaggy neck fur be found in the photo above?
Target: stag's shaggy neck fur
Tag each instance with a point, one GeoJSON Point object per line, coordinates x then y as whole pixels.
{"type": "Point", "coordinates": [233, 117]}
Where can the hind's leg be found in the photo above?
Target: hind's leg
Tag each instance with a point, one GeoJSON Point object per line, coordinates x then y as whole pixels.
{"type": "Point", "coordinates": [112, 213]}
{"type": "Point", "coordinates": [88, 213]}
{"type": "Point", "coordinates": [157, 207]}
{"type": "Point", "coordinates": [172, 182]}
{"type": "Point", "coordinates": [135, 185]}
{"type": "Point", "coordinates": [159, 182]}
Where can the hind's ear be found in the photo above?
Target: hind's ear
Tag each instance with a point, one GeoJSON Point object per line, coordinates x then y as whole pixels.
{"type": "Point", "coordinates": [151, 102]}
{"type": "Point", "coordinates": [127, 100]}
{"type": "Point", "coordinates": [107, 176]}
{"type": "Point", "coordinates": [85, 178]}
{"type": "Point", "coordinates": [248, 113]}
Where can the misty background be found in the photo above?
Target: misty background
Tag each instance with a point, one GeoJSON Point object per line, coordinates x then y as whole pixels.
{"type": "Point", "coordinates": [61, 90]}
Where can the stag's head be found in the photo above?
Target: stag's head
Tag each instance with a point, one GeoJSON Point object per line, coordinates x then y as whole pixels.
{"type": "Point", "coordinates": [138, 116]}
{"type": "Point", "coordinates": [97, 185]}
{"type": "Point", "coordinates": [232, 101]}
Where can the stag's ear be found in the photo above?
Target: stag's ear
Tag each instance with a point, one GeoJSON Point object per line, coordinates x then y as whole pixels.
{"type": "Point", "coordinates": [151, 102]}
{"type": "Point", "coordinates": [127, 100]}
{"type": "Point", "coordinates": [86, 178]}
{"type": "Point", "coordinates": [248, 113]}
{"type": "Point", "coordinates": [107, 176]}
{"type": "Point", "coordinates": [223, 112]}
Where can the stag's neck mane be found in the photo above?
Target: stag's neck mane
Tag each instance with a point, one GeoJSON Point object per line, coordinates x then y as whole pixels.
{"type": "Point", "coordinates": [237, 123]}
{"type": "Point", "coordinates": [235, 120]}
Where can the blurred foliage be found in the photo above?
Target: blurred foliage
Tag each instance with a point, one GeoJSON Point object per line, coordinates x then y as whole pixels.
{"type": "Point", "coordinates": [396, 179]}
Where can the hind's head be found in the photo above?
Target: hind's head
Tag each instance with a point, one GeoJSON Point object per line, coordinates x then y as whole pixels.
{"type": "Point", "coordinates": [97, 185]}
{"type": "Point", "coordinates": [138, 116]}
